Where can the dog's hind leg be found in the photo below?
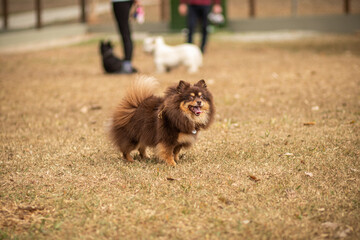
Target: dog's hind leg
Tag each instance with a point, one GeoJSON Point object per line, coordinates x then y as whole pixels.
{"type": "Point", "coordinates": [142, 151]}
{"type": "Point", "coordinates": [126, 150]}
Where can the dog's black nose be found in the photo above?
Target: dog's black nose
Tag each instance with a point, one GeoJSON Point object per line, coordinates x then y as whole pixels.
{"type": "Point", "coordinates": [198, 103]}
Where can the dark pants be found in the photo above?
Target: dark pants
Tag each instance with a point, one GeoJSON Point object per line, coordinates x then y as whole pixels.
{"type": "Point", "coordinates": [121, 13]}
{"type": "Point", "coordinates": [195, 13]}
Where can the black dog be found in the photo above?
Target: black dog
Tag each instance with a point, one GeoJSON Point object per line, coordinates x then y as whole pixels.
{"type": "Point", "coordinates": [110, 62]}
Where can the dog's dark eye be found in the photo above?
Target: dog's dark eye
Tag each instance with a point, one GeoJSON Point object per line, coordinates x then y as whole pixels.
{"type": "Point", "coordinates": [191, 98]}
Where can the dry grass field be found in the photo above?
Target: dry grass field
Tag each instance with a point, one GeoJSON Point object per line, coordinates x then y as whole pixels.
{"type": "Point", "coordinates": [281, 160]}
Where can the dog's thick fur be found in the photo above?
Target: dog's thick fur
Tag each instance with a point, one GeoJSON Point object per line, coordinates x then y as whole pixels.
{"type": "Point", "coordinates": [110, 62]}
{"type": "Point", "coordinates": [167, 57]}
{"type": "Point", "coordinates": [167, 123]}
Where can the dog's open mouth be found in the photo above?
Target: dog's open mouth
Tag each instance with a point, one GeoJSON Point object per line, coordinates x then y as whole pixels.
{"type": "Point", "coordinates": [195, 109]}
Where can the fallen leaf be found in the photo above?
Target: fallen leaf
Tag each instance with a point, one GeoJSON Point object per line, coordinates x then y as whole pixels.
{"type": "Point", "coordinates": [321, 209]}
{"type": "Point", "coordinates": [225, 200]}
{"type": "Point", "coordinates": [352, 122]}
{"type": "Point", "coordinates": [235, 184]}
{"type": "Point", "coordinates": [31, 209]}
{"type": "Point", "coordinates": [309, 174]}
{"type": "Point", "coordinates": [309, 123]}
{"type": "Point", "coordinates": [354, 170]}
{"type": "Point", "coordinates": [343, 234]}
{"type": "Point", "coordinates": [95, 107]}
{"type": "Point", "coordinates": [246, 222]}
{"type": "Point", "coordinates": [254, 178]}
{"type": "Point", "coordinates": [315, 108]}
{"type": "Point", "coordinates": [170, 179]}
{"type": "Point", "coordinates": [84, 109]}
{"type": "Point", "coordinates": [286, 154]}
{"type": "Point", "coordinates": [330, 225]}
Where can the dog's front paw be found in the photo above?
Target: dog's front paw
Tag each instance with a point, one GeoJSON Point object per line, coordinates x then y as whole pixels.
{"type": "Point", "coordinates": [128, 158]}
{"type": "Point", "coordinates": [171, 163]}
{"type": "Point", "coordinates": [165, 153]}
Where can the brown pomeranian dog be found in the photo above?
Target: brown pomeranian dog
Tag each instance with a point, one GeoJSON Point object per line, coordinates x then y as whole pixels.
{"type": "Point", "coordinates": [167, 123]}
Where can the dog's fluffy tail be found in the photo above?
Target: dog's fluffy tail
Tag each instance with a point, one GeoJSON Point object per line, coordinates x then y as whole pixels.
{"type": "Point", "coordinates": [142, 88]}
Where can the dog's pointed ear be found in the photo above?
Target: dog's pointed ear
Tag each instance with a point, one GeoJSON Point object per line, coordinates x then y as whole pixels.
{"type": "Point", "coordinates": [201, 84]}
{"type": "Point", "coordinates": [182, 86]}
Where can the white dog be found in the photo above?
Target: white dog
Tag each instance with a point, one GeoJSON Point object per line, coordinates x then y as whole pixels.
{"type": "Point", "coordinates": [166, 56]}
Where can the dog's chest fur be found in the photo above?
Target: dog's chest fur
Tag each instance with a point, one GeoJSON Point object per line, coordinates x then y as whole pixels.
{"type": "Point", "coordinates": [186, 138]}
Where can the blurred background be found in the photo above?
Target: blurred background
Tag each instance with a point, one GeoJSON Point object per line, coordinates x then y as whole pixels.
{"type": "Point", "coordinates": [33, 21]}
{"type": "Point", "coordinates": [17, 14]}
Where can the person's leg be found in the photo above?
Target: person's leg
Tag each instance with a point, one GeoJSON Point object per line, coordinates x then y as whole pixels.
{"type": "Point", "coordinates": [121, 13]}
{"type": "Point", "coordinates": [191, 22]}
{"type": "Point", "coordinates": [203, 15]}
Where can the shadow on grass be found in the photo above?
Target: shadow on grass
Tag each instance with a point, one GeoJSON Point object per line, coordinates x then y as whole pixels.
{"type": "Point", "coordinates": [185, 158]}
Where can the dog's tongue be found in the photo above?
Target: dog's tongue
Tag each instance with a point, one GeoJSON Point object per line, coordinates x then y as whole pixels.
{"type": "Point", "coordinates": [197, 110]}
